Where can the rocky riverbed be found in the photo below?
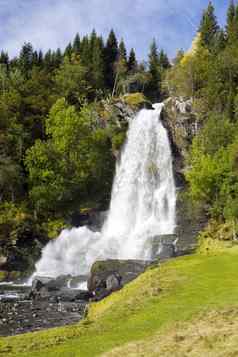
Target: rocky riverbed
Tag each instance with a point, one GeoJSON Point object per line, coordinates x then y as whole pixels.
{"type": "Point", "coordinates": [20, 313]}
{"type": "Point", "coordinates": [50, 302]}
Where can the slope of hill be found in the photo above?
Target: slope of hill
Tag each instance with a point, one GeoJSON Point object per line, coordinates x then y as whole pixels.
{"type": "Point", "coordinates": [165, 311]}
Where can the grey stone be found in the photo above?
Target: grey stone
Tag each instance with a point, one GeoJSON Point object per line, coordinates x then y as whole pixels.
{"type": "Point", "coordinates": [110, 275]}
{"type": "Point", "coordinates": [113, 282]}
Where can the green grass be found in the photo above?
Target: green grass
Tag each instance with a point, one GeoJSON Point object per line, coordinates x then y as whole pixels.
{"type": "Point", "coordinates": [177, 291]}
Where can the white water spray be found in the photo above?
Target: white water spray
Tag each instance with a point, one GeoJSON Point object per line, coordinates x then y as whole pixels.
{"type": "Point", "coordinates": [142, 205]}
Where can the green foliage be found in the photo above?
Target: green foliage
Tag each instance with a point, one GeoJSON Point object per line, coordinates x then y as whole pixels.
{"type": "Point", "coordinates": [122, 51]}
{"type": "Point", "coordinates": [118, 140]}
{"type": "Point", "coordinates": [56, 151]}
{"type": "Point", "coordinates": [68, 51]}
{"type": "Point", "coordinates": [153, 87]}
{"type": "Point", "coordinates": [98, 65]}
{"type": "Point", "coordinates": [190, 74]}
{"type": "Point", "coordinates": [111, 57]}
{"type": "Point", "coordinates": [71, 80]}
{"type": "Point", "coordinates": [21, 239]}
{"type": "Point", "coordinates": [26, 59]}
{"type": "Point", "coordinates": [209, 71]}
{"type": "Point", "coordinates": [135, 100]}
{"type": "Point", "coordinates": [232, 24]}
{"type": "Point", "coordinates": [76, 44]}
{"type": "Point", "coordinates": [132, 62]}
{"type": "Point", "coordinates": [163, 60]}
{"type": "Point", "coordinates": [73, 164]}
{"type": "Point", "coordinates": [54, 227]}
{"type": "Point", "coordinates": [212, 175]}
{"type": "Point", "coordinates": [208, 27]}
{"type": "Point", "coordinates": [11, 179]}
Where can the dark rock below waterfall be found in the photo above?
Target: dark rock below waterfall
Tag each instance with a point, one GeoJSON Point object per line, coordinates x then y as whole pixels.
{"type": "Point", "coordinates": [20, 313]}
{"type": "Point", "coordinates": [50, 289]}
{"type": "Point", "coordinates": [111, 275]}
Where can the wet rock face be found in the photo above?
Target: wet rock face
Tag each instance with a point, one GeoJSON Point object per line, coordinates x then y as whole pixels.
{"type": "Point", "coordinates": [169, 246]}
{"type": "Point", "coordinates": [111, 275]}
{"type": "Point", "coordinates": [182, 124]}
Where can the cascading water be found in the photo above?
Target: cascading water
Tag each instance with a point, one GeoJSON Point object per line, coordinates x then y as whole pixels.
{"type": "Point", "coordinates": [142, 205]}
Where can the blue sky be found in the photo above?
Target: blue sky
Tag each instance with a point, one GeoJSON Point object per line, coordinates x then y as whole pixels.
{"type": "Point", "coordinates": [53, 23]}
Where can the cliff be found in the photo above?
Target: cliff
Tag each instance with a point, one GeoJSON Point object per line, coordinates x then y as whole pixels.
{"type": "Point", "coordinates": [183, 124]}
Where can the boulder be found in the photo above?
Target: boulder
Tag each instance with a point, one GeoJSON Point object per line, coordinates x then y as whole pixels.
{"type": "Point", "coordinates": [51, 284]}
{"type": "Point", "coordinates": [58, 283]}
{"type": "Point", "coordinates": [44, 289]}
{"type": "Point", "coordinates": [113, 282]}
{"type": "Point", "coordinates": [37, 285]}
{"type": "Point", "coordinates": [110, 275]}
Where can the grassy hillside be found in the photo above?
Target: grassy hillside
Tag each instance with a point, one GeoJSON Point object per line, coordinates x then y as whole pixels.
{"type": "Point", "coordinates": [178, 308]}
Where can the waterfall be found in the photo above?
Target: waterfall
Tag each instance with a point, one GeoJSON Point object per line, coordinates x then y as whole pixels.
{"type": "Point", "coordinates": [142, 205]}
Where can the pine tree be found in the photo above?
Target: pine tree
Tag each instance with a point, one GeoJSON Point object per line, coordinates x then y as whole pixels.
{"type": "Point", "coordinates": [219, 41]}
{"type": "Point", "coordinates": [236, 22]}
{"type": "Point", "coordinates": [153, 89]}
{"type": "Point", "coordinates": [163, 60]}
{"type": "Point", "coordinates": [231, 13]}
{"type": "Point", "coordinates": [53, 60]}
{"type": "Point", "coordinates": [111, 57]}
{"type": "Point", "coordinates": [98, 64]}
{"type": "Point", "coordinates": [40, 58]}
{"type": "Point", "coordinates": [35, 58]}
{"type": "Point", "coordinates": [85, 51]}
{"type": "Point", "coordinates": [76, 44]}
{"type": "Point", "coordinates": [208, 27]}
{"type": "Point", "coordinates": [92, 44]}
{"type": "Point", "coordinates": [122, 51]}
{"type": "Point", "coordinates": [48, 60]}
{"type": "Point", "coordinates": [68, 50]}
{"type": "Point", "coordinates": [132, 62]}
{"type": "Point", "coordinates": [4, 60]}
{"type": "Point", "coordinates": [26, 58]}
{"type": "Point", "coordinates": [58, 57]}
{"type": "Point", "coordinates": [93, 39]}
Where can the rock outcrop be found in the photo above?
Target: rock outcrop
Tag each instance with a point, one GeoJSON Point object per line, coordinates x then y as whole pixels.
{"type": "Point", "coordinates": [49, 289]}
{"type": "Point", "coordinates": [124, 108]}
{"type": "Point", "coordinates": [183, 125]}
{"type": "Point", "coordinates": [111, 275]}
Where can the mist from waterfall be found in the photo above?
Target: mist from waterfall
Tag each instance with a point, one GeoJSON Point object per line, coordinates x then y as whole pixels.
{"type": "Point", "coordinates": [143, 204]}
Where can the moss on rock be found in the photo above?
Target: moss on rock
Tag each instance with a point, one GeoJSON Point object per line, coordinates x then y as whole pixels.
{"type": "Point", "coordinates": [137, 100]}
